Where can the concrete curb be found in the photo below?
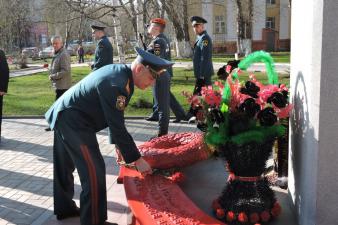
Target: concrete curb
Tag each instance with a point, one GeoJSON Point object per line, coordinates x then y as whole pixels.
{"type": "Point", "coordinates": [42, 117]}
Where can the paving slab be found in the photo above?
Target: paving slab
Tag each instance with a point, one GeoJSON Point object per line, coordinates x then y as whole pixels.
{"type": "Point", "coordinates": [26, 172]}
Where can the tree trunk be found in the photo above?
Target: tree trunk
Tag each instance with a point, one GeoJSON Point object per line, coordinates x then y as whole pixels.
{"type": "Point", "coordinates": [244, 26]}
{"type": "Point", "coordinates": [183, 48]}
{"type": "Point", "coordinates": [118, 37]}
{"type": "Point", "coordinates": [248, 33]}
{"type": "Point", "coordinates": [80, 32]}
{"type": "Point", "coordinates": [239, 27]}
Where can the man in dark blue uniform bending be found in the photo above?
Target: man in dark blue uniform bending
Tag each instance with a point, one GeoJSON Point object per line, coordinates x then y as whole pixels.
{"type": "Point", "coordinates": [104, 49]}
{"type": "Point", "coordinates": [96, 102]}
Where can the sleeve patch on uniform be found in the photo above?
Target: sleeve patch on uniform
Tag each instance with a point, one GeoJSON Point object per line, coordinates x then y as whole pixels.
{"type": "Point", "coordinates": [157, 49]}
{"type": "Point", "coordinates": [205, 42]}
{"type": "Point", "coordinates": [121, 102]}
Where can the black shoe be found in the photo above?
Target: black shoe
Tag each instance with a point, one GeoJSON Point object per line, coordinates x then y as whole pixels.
{"type": "Point", "coordinates": [109, 223]}
{"type": "Point", "coordinates": [176, 120]}
{"type": "Point", "coordinates": [151, 119]}
{"type": "Point", "coordinates": [192, 119]}
{"type": "Point", "coordinates": [47, 129]}
{"type": "Point", "coordinates": [75, 213]}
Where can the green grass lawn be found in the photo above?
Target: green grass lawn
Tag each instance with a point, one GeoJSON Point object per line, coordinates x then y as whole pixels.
{"type": "Point", "coordinates": [279, 57]}
{"type": "Point", "coordinates": [33, 95]}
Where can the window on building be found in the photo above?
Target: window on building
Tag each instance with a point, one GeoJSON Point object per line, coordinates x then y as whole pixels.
{"type": "Point", "coordinates": [270, 2]}
{"type": "Point", "coordinates": [270, 22]}
{"type": "Point", "coordinates": [219, 25]}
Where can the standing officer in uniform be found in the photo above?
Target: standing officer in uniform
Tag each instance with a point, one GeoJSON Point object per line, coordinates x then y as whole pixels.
{"type": "Point", "coordinates": [104, 49]}
{"type": "Point", "coordinates": [4, 77]}
{"type": "Point", "coordinates": [202, 59]}
{"type": "Point", "coordinates": [96, 102]}
{"type": "Point", "coordinates": [160, 46]}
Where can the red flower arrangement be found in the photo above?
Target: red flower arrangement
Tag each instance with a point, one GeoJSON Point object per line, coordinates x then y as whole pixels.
{"type": "Point", "coordinates": [220, 213]}
{"type": "Point", "coordinates": [265, 216]}
{"type": "Point", "coordinates": [231, 216]}
{"type": "Point", "coordinates": [254, 217]}
{"type": "Point", "coordinates": [177, 177]}
{"type": "Point", "coordinates": [234, 108]}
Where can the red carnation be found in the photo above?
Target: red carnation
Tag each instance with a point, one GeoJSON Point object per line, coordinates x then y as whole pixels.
{"type": "Point", "coordinates": [254, 217]}
{"type": "Point", "coordinates": [265, 216]}
{"type": "Point", "coordinates": [177, 177]}
{"type": "Point", "coordinates": [220, 213]}
{"type": "Point", "coordinates": [242, 217]}
{"type": "Point", "coordinates": [231, 216]}
{"type": "Point", "coordinates": [276, 210]}
{"type": "Point", "coordinates": [215, 204]}
{"type": "Point", "coordinates": [231, 177]}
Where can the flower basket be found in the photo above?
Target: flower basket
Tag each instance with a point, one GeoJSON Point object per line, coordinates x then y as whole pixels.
{"type": "Point", "coordinates": [242, 120]}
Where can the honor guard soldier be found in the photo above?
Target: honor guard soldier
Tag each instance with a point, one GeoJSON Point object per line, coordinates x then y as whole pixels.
{"type": "Point", "coordinates": [163, 98]}
{"type": "Point", "coordinates": [202, 59]}
{"type": "Point", "coordinates": [104, 49]}
{"type": "Point", "coordinates": [95, 103]}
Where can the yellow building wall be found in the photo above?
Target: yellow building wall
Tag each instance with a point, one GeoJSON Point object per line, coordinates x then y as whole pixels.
{"type": "Point", "coordinates": [219, 9]}
{"type": "Point", "coordinates": [273, 11]}
{"type": "Point", "coordinates": [194, 9]}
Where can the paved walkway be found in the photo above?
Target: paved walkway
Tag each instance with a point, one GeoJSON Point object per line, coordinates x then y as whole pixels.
{"type": "Point", "coordinates": [26, 171]}
{"type": "Point", "coordinates": [26, 174]}
{"type": "Point", "coordinates": [38, 68]}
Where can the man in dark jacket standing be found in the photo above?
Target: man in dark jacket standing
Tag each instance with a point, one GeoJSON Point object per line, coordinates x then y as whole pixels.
{"type": "Point", "coordinates": [202, 59]}
{"type": "Point", "coordinates": [104, 49]}
{"type": "Point", "coordinates": [60, 69]}
{"type": "Point", "coordinates": [4, 77]}
{"type": "Point", "coordinates": [95, 103]}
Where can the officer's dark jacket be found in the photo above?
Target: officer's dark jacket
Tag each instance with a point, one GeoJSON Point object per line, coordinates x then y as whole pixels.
{"type": "Point", "coordinates": [160, 46]}
{"type": "Point", "coordinates": [202, 59]}
{"type": "Point", "coordinates": [103, 53]}
{"type": "Point", "coordinates": [4, 72]}
{"type": "Point", "coordinates": [97, 98]}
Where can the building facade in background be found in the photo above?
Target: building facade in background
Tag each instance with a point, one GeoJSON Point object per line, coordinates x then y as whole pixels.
{"type": "Point", "coordinates": [270, 26]}
{"type": "Point", "coordinates": [38, 35]}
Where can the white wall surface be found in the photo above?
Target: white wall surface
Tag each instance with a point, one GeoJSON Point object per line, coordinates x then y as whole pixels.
{"type": "Point", "coordinates": [259, 14]}
{"type": "Point", "coordinates": [207, 13]}
{"type": "Point", "coordinates": [313, 159]}
{"type": "Point", "coordinates": [284, 31]}
{"type": "Point", "coordinates": [231, 21]}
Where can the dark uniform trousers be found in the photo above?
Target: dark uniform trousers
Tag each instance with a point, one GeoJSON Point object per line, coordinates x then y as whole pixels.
{"type": "Point", "coordinates": [161, 94]}
{"type": "Point", "coordinates": [4, 77]}
{"type": "Point", "coordinates": [1, 102]}
{"type": "Point", "coordinates": [174, 106]}
{"type": "Point", "coordinates": [81, 147]}
{"type": "Point", "coordinates": [59, 92]}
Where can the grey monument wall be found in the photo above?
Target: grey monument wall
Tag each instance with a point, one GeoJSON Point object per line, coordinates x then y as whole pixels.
{"type": "Point", "coordinates": [313, 167]}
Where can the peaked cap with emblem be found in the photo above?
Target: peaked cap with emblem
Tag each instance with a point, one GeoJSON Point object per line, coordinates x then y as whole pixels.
{"type": "Point", "coordinates": [97, 27]}
{"type": "Point", "coordinates": [151, 60]}
{"type": "Point", "coordinates": [197, 20]}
